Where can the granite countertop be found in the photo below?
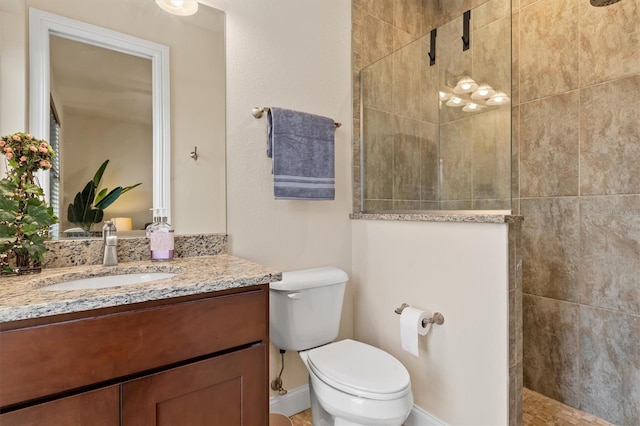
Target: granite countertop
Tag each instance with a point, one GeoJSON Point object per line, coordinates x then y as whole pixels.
{"type": "Point", "coordinates": [21, 297]}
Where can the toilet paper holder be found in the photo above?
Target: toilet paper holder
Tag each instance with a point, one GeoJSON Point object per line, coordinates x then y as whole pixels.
{"type": "Point", "coordinates": [437, 318]}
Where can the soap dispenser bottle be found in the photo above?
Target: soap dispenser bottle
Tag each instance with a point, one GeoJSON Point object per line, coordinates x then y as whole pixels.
{"type": "Point", "coordinates": [161, 237]}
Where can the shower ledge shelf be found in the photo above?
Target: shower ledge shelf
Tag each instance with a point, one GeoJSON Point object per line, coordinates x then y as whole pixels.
{"type": "Point", "coordinates": [471, 216]}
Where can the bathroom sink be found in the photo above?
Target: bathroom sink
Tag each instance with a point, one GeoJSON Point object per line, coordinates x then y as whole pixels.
{"type": "Point", "coordinates": [109, 281]}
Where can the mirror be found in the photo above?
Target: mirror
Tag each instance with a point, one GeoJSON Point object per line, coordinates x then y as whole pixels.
{"type": "Point", "coordinates": [194, 192]}
{"type": "Point", "coordinates": [105, 98]}
{"type": "Point", "coordinates": [51, 34]}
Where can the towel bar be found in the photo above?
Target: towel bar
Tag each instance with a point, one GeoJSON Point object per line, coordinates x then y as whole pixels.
{"type": "Point", "coordinates": [258, 112]}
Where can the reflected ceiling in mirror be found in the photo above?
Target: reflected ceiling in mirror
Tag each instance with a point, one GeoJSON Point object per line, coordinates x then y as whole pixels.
{"type": "Point", "coordinates": [101, 82]}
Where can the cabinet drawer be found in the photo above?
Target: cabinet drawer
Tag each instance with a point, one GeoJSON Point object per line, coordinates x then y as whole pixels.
{"type": "Point", "coordinates": [45, 360]}
{"type": "Point", "coordinates": [96, 408]}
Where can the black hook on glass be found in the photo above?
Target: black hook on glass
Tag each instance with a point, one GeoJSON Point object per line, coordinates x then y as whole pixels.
{"type": "Point", "coordinates": [466, 39]}
{"type": "Point", "coordinates": [432, 48]}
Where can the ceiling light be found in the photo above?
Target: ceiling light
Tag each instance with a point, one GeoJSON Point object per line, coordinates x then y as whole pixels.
{"type": "Point", "coordinates": [179, 7]}
{"type": "Point", "coordinates": [455, 102]}
{"type": "Point", "coordinates": [465, 85]}
{"type": "Point", "coordinates": [483, 91]}
{"type": "Point", "coordinates": [498, 98]}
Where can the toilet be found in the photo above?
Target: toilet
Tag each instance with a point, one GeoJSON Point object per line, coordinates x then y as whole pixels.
{"type": "Point", "coordinates": [351, 383]}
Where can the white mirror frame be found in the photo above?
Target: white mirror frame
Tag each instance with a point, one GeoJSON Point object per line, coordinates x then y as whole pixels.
{"type": "Point", "coordinates": [41, 26]}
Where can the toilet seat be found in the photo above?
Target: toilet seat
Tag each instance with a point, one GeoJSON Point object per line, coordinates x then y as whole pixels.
{"type": "Point", "coordinates": [360, 369]}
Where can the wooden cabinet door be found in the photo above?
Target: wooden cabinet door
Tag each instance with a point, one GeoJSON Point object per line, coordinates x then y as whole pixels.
{"type": "Point", "coordinates": [94, 408]}
{"type": "Point", "coordinates": [227, 390]}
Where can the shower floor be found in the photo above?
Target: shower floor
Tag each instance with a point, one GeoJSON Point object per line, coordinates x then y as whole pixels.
{"type": "Point", "coordinates": [538, 411]}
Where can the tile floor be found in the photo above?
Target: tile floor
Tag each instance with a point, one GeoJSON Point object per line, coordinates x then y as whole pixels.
{"type": "Point", "coordinates": [538, 411]}
{"type": "Point", "coordinates": [302, 419]}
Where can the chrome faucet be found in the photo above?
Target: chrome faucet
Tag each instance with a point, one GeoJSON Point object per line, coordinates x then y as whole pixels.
{"type": "Point", "coordinates": [110, 244]}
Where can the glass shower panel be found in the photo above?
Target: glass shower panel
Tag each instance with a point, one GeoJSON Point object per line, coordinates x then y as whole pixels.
{"type": "Point", "coordinates": [475, 111]}
{"type": "Point", "coordinates": [400, 131]}
{"type": "Point", "coordinates": [432, 137]}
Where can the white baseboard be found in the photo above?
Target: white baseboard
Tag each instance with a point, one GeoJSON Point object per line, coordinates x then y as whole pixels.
{"type": "Point", "coordinates": [419, 417]}
{"type": "Point", "coordinates": [297, 400]}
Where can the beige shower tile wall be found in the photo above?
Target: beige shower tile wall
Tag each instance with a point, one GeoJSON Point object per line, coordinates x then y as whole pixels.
{"type": "Point", "coordinates": [549, 55]}
{"type": "Point", "coordinates": [576, 144]}
{"type": "Point", "coordinates": [405, 81]}
{"type": "Point", "coordinates": [406, 159]}
{"type": "Point", "coordinates": [492, 158]}
{"type": "Point", "coordinates": [614, 30]}
{"type": "Point", "coordinates": [428, 164]}
{"type": "Point", "coordinates": [608, 155]}
{"type": "Point", "coordinates": [458, 151]}
{"type": "Point", "coordinates": [490, 42]}
{"type": "Point", "coordinates": [549, 146]}
{"type": "Point", "coordinates": [381, 27]}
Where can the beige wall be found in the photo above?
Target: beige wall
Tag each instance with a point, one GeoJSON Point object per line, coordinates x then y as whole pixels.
{"type": "Point", "coordinates": [197, 92]}
{"type": "Point", "coordinates": [13, 39]}
{"type": "Point", "coordinates": [460, 270]}
{"type": "Point", "coordinates": [294, 55]}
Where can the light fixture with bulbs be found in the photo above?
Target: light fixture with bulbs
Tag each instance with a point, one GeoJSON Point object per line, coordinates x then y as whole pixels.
{"type": "Point", "coordinates": [179, 7]}
{"type": "Point", "coordinates": [471, 107]}
{"type": "Point", "coordinates": [498, 98]}
{"type": "Point", "coordinates": [484, 91]}
{"type": "Point", "coordinates": [465, 85]}
{"type": "Point", "coordinates": [471, 95]}
{"type": "Point", "coordinates": [455, 101]}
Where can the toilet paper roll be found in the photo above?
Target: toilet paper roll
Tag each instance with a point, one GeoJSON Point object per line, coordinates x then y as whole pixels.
{"type": "Point", "coordinates": [411, 328]}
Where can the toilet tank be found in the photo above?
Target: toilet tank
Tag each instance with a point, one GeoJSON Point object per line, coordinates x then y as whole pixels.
{"type": "Point", "coordinates": [305, 307]}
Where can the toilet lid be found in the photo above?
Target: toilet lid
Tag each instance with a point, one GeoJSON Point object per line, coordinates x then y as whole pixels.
{"type": "Point", "coordinates": [360, 369]}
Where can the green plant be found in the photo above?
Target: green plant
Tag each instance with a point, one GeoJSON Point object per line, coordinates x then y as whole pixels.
{"type": "Point", "coordinates": [88, 207]}
{"type": "Point", "coordinates": [25, 217]}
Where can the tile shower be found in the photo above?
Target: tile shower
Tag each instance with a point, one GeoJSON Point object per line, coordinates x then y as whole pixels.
{"type": "Point", "coordinates": [577, 135]}
{"type": "Point", "coordinates": [575, 177]}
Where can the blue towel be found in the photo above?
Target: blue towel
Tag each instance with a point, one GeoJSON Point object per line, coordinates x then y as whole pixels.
{"type": "Point", "coordinates": [302, 148]}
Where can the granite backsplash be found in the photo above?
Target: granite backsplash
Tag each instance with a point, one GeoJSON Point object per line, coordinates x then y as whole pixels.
{"type": "Point", "coordinates": [90, 251]}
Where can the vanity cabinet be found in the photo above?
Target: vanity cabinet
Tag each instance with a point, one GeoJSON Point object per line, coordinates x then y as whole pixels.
{"type": "Point", "coordinates": [195, 360]}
